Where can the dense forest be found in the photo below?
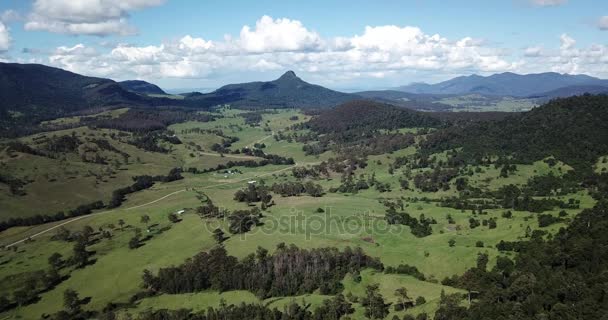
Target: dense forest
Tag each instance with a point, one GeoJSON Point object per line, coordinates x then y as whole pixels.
{"type": "Point", "coordinates": [365, 127]}
{"type": "Point", "coordinates": [367, 115]}
{"type": "Point", "coordinates": [561, 278]}
{"type": "Point", "coordinates": [573, 130]}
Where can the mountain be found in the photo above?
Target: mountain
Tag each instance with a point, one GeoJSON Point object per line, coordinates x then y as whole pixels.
{"type": "Point", "coordinates": [38, 90]}
{"type": "Point", "coordinates": [287, 91]}
{"type": "Point", "coordinates": [31, 93]}
{"type": "Point", "coordinates": [505, 84]}
{"type": "Point", "coordinates": [142, 87]}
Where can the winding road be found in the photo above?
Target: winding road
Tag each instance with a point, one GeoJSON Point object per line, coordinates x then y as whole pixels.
{"type": "Point", "coordinates": [146, 204]}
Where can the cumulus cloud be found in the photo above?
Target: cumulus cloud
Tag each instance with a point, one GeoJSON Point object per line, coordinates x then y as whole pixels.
{"type": "Point", "coordinates": [278, 44]}
{"type": "Point", "coordinates": [278, 35]}
{"type": "Point", "coordinates": [533, 52]}
{"type": "Point", "coordinates": [603, 23]}
{"type": "Point", "coordinates": [86, 17]}
{"type": "Point", "coordinates": [570, 58]}
{"type": "Point", "coordinates": [5, 37]}
{"type": "Point", "coordinates": [567, 42]}
{"type": "Point", "coordinates": [548, 3]}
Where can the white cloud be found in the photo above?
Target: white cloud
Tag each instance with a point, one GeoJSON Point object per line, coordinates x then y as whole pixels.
{"type": "Point", "coordinates": [278, 35]}
{"type": "Point", "coordinates": [5, 37]}
{"type": "Point", "coordinates": [567, 42]}
{"type": "Point", "coordinates": [88, 17]}
{"type": "Point", "coordinates": [548, 3]}
{"type": "Point", "coordinates": [281, 44]}
{"type": "Point", "coordinates": [603, 23]}
{"type": "Point", "coordinates": [139, 55]}
{"type": "Point", "coordinates": [572, 59]}
{"type": "Point", "coordinates": [194, 44]}
{"type": "Point", "coordinates": [533, 52]}
{"type": "Point", "coordinates": [264, 65]}
{"type": "Point", "coordinates": [10, 16]}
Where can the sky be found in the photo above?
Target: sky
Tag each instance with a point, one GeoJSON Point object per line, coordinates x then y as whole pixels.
{"type": "Point", "coordinates": [342, 44]}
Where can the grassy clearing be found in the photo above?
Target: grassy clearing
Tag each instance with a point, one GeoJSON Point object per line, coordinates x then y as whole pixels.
{"type": "Point", "coordinates": [60, 184]}
{"type": "Point", "coordinates": [389, 283]}
{"type": "Point", "coordinates": [602, 165]}
{"type": "Point", "coordinates": [475, 102]}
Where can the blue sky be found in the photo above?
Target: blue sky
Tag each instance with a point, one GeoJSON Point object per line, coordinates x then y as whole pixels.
{"type": "Point", "coordinates": [348, 45]}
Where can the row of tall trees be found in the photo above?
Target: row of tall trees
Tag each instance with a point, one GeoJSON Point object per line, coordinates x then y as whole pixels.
{"type": "Point", "coordinates": [290, 189]}
{"type": "Point", "coordinates": [289, 271]}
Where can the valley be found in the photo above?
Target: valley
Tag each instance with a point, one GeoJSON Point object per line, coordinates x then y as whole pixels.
{"type": "Point", "coordinates": [410, 189]}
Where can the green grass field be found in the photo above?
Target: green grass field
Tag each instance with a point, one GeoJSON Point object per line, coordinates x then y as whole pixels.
{"type": "Point", "coordinates": [355, 220]}
{"type": "Point", "coordinates": [475, 102]}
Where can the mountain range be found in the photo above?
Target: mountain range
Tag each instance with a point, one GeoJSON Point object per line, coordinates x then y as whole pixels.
{"type": "Point", "coordinates": [510, 84]}
{"type": "Point", "coordinates": [31, 93]}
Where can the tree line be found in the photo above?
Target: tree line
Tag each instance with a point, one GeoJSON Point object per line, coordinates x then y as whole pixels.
{"type": "Point", "coordinates": [289, 271]}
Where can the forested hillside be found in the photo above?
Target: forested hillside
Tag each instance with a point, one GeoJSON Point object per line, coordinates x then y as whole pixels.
{"type": "Point", "coordinates": [31, 93]}
{"type": "Point", "coordinates": [143, 87]}
{"type": "Point", "coordinates": [364, 115]}
{"type": "Point", "coordinates": [561, 278]}
{"type": "Point", "coordinates": [574, 130]}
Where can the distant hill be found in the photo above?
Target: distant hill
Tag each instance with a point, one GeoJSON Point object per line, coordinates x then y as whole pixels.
{"type": "Point", "coordinates": [287, 91]}
{"type": "Point", "coordinates": [573, 130]}
{"type": "Point", "coordinates": [361, 115]}
{"type": "Point", "coordinates": [415, 101]}
{"type": "Point", "coordinates": [505, 84]}
{"type": "Point", "coordinates": [572, 91]}
{"type": "Point", "coordinates": [393, 95]}
{"type": "Point", "coordinates": [190, 94]}
{"type": "Point", "coordinates": [142, 87]}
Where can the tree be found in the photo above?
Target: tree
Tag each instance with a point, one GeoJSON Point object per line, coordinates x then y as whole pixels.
{"type": "Point", "coordinates": [134, 243]}
{"type": "Point", "coordinates": [492, 223]}
{"type": "Point", "coordinates": [51, 278]}
{"type": "Point", "coordinates": [23, 296]}
{"type": "Point", "coordinates": [173, 218]}
{"type": "Point", "coordinates": [334, 309]}
{"type": "Point", "coordinates": [241, 221]}
{"type": "Point", "coordinates": [87, 231]}
{"type": "Point", "coordinates": [375, 307]}
{"type": "Point", "coordinates": [121, 223]}
{"type": "Point", "coordinates": [71, 301]}
{"type": "Point", "coordinates": [145, 219]}
{"type": "Point", "coordinates": [482, 261]}
{"type": "Point", "coordinates": [401, 294]}
{"type": "Point", "coordinates": [422, 316]}
{"type": "Point", "coordinates": [420, 301]}
{"type": "Point", "coordinates": [62, 234]}
{"type": "Point", "coordinates": [4, 303]}
{"type": "Point", "coordinates": [218, 235]}
{"type": "Point", "coordinates": [452, 242]}
{"type": "Point", "coordinates": [81, 255]}
{"type": "Point", "coordinates": [55, 260]}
